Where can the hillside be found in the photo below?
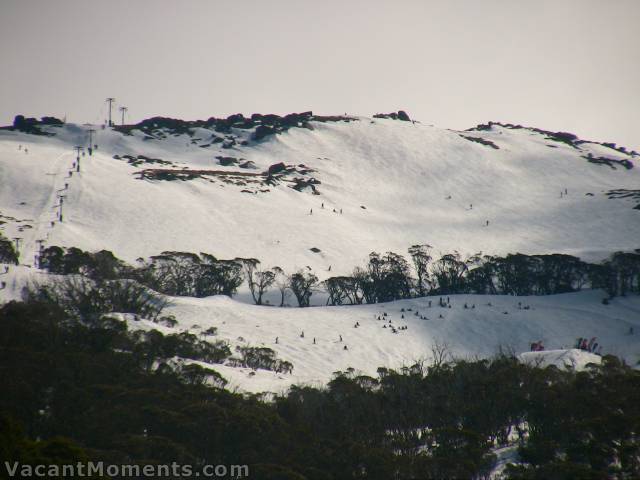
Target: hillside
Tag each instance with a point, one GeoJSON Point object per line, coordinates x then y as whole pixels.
{"type": "Point", "coordinates": [344, 187]}
{"type": "Point", "coordinates": [397, 184]}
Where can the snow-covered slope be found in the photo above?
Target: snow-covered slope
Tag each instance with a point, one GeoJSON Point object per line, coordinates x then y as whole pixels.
{"type": "Point", "coordinates": [417, 184]}
{"type": "Point", "coordinates": [392, 184]}
{"type": "Point", "coordinates": [557, 320]}
{"type": "Point", "coordinates": [565, 358]}
{"type": "Point", "coordinates": [490, 323]}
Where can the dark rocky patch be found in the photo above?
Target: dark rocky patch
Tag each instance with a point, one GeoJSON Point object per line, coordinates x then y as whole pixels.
{"type": "Point", "coordinates": [301, 183]}
{"type": "Point", "coordinates": [264, 124]}
{"type": "Point", "coordinates": [276, 168]}
{"type": "Point", "coordinates": [233, 161]}
{"type": "Point", "coordinates": [32, 125]}
{"type": "Point", "coordinates": [562, 137]}
{"type": "Point", "coordinates": [263, 131]}
{"type": "Point", "coordinates": [248, 164]}
{"type": "Point", "coordinates": [400, 115]}
{"type": "Point", "coordinates": [228, 142]}
{"type": "Point", "coordinates": [481, 141]}
{"type": "Point", "coordinates": [623, 193]}
{"type": "Point", "coordinates": [227, 161]}
{"type": "Point", "coordinates": [141, 160]}
{"type": "Point", "coordinates": [296, 176]}
{"type": "Point", "coordinates": [610, 162]}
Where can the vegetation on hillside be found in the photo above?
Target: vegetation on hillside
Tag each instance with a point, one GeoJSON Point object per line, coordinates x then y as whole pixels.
{"type": "Point", "coordinates": [385, 277]}
{"type": "Point", "coordinates": [74, 389]}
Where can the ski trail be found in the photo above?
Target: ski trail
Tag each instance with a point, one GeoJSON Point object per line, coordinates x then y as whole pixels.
{"type": "Point", "coordinates": [48, 214]}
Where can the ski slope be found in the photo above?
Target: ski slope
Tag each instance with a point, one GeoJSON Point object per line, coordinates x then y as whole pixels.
{"type": "Point", "coordinates": [557, 320]}
{"type": "Point", "coordinates": [417, 183]}
{"type": "Point", "coordinates": [465, 333]}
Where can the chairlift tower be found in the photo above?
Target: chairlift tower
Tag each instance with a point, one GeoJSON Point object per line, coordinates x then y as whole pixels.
{"type": "Point", "coordinates": [91, 132]}
{"type": "Point", "coordinates": [110, 101]}
{"type": "Point", "coordinates": [78, 149]}
{"type": "Point", "coordinates": [62, 197]}
{"type": "Point", "coordinates": [123, 110]}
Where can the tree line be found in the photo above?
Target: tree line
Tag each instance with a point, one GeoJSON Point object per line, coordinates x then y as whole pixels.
{"type": "Point", "coordinates": [384, 277]}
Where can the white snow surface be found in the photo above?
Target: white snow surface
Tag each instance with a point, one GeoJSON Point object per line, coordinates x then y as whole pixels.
{"type": "Point", "coordinates": [572, 358]}
{"type": "Point", "coordinates": [556, 320]}
{"type": "Point", "coordinates": [403, 173]}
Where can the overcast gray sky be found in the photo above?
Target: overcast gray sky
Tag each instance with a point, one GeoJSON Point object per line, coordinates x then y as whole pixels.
{"type": "Point", "coordinates": [569, 65]}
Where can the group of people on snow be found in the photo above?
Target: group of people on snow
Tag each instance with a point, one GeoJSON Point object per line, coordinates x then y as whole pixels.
{"type": "Point", "coordinates": [587, 345]}
{"type": "Point", "coordinates": [322, 207]}
{"type": "Point", "coordinates": [537, 346]}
